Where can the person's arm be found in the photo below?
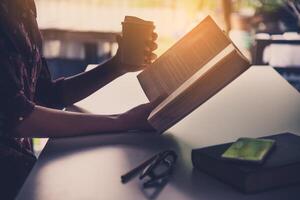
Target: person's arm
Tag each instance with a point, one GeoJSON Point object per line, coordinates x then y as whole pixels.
{"type": "Point", "coordinates": [80, 86]}
{"type": "Point", "coordinates": [84, 84]}
{"type": "Point", "coordinates": [45, 122]}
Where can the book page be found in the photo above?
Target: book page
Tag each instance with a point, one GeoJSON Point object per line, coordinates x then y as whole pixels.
{"type": "Point", "coordinates": [204, 84]}
{"type": "Point", "coordinates": [200, 73]}
{"type": "Point", "coordinates": [183, 59]}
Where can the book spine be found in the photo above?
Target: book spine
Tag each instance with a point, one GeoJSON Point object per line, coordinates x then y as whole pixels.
{"type": "Point", "coordinates": [269, 178]}
{"type": "Point", "coordinates": [220, 170]}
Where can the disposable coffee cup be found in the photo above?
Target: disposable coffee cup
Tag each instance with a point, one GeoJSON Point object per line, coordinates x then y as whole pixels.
{"type": "Point", "coordinates": [135, 33]}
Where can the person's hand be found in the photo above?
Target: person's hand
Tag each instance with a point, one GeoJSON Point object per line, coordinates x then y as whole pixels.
{"type": "Point", "coordinates": [136, 118]}
{"type": "Point", "coordinates": [148, 52]}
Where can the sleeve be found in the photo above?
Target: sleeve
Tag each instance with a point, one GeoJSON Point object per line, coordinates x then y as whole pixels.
{"type": "Point", "coordinates": [14, 105]}
{"type": "Point", "coordinates": [49, 93]}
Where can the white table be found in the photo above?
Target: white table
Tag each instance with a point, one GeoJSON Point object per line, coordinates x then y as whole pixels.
{"type": "Point", "coordinates": [258, 103]}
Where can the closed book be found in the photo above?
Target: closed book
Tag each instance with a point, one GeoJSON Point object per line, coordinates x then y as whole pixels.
{"type": "Point", "coordinates": [281, 168]}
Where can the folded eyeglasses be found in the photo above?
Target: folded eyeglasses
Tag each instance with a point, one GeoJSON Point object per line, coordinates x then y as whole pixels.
{"type": "Point", "coordinates": [154, 170]}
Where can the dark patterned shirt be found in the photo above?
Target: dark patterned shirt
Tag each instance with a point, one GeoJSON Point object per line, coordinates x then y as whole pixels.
{"type": "Point", "coordinates": [24, 77]}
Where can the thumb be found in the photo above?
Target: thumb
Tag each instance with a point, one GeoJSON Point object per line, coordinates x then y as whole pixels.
{"type": "Point", "coordinates": [157, 101]}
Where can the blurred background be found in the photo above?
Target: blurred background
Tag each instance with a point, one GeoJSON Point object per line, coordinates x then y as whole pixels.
{"type": "Point", "coordinates": [81, 32]}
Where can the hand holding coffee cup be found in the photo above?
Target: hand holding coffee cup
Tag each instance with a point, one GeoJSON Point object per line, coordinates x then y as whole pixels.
{"type": "Point", "coordinates": [137, 43]}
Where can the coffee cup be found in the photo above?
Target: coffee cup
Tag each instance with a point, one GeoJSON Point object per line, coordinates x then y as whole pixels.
{"type": "Point", "coordinates": [135, 33]}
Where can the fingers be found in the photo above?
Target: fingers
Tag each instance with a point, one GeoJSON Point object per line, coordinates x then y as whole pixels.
{"type": "Point", "coordinates": [157, 101]}
{"type": "Point", "coordinates": [151, 45]}
{"type": "Point", "coordinates": [150, 57]}
{"type": "Point", "coordinates": [154, 36]}
{"type": "Point", "coordinates": [151, 105]}
{"type": "Point", "coordinates": [141, 111]}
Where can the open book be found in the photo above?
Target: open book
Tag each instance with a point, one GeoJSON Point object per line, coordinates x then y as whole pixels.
{"type": "Point", "coordinates": [193, 70]}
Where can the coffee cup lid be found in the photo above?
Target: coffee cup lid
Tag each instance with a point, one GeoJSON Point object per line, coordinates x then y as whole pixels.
{"type": "Point", "coordinates": [136, 20]}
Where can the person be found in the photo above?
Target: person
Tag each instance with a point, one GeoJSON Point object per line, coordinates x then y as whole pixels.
{"type": "Point", "coordinates": [30, 103]}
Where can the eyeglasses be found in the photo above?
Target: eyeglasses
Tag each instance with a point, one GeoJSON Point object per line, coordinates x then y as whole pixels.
{"type": "Point", "coordinates": [154, 170]}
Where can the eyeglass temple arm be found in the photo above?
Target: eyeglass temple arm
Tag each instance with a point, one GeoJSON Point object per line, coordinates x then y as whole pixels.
{"type": "Point", "coordinates": [129, 175]}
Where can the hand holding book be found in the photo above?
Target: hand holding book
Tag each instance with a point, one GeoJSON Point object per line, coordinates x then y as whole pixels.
{"type": "Point", "coordinates": [136, 118]}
